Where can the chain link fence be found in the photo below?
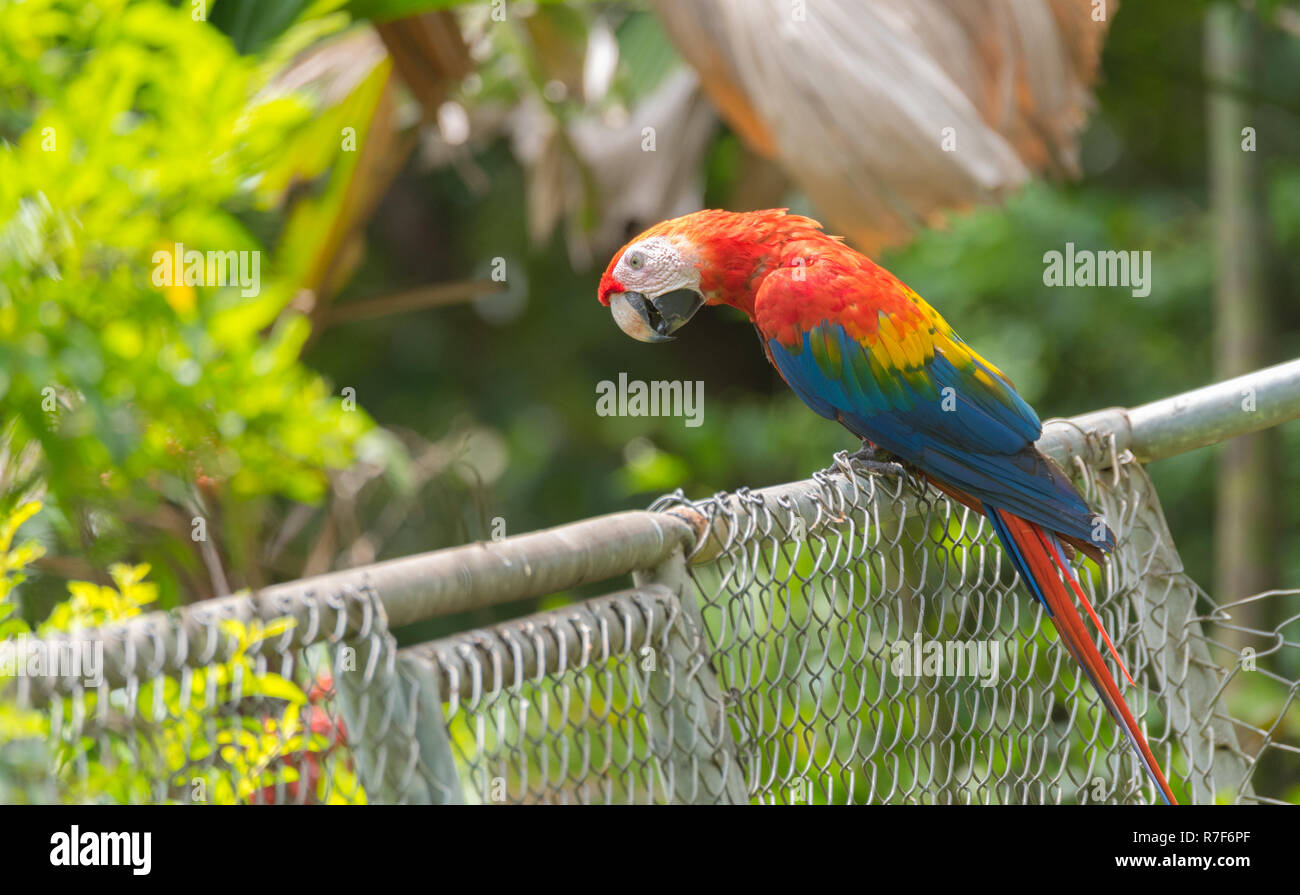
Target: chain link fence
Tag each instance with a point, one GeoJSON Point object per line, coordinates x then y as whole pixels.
{"type": "Point", "coordinates": [853, 638]}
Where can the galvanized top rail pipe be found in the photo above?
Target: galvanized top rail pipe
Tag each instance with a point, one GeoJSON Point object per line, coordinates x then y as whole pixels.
{"type": "Point", "coordinates": [1182, 423]}
{"type": "Point", "coordinates": [458, 578]}
{"type": "Point", "coordinates": [426, 585]}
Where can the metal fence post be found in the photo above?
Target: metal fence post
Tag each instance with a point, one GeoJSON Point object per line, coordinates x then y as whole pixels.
{"type": "Point", "coordinates": [418, 676]}
{"type": "Point", "coordinates": [1166, 607]}
{"type": "Point", "coordinates": [686, 705]}
{"type": "Point", "coordinates": [391, 705]}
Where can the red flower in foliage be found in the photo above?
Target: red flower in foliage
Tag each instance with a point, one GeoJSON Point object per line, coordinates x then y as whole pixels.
{"type": "Point", "coordinates": [308, 762]}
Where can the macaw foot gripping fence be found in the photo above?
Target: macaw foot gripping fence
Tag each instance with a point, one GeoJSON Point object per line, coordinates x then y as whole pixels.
{"type": "Point", "coordinates": [850, 638]}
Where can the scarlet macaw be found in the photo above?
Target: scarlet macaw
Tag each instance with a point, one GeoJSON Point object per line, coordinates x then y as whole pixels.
{"type": "Point", "coordinates": [860, 347]}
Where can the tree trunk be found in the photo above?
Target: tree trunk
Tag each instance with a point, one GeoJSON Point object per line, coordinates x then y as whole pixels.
{"type": "Point", "coordinates": [1244, 520]}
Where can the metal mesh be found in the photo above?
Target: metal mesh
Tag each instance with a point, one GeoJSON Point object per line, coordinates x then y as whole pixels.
{"type": "Point", "coordinates": [823, 609]}
{"type": "Point", "coordinates": [211, 707]}
{"type": "Point", "coordinates": [601, 702]}
{"type": "Point", "coordinates": [854, 638]}
{"type": "Point", "coordinates": [881, 650]}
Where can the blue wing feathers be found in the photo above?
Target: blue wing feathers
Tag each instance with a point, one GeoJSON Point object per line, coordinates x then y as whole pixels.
{"type": "Point", "coordinates": [983, 446]}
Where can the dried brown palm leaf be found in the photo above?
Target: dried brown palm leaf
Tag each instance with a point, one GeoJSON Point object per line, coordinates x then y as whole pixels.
{"type": "Point", "coordinates": [891, 112]}
{"type": "Point", "coordinates": [429, 54]}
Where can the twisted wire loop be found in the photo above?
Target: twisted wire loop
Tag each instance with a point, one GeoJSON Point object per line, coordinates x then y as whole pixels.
{"type": "Point", "coordinates": [856, 637]}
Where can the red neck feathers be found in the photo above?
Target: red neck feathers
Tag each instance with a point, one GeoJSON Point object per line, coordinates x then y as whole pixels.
{"type": "Point", "coordinates": [735, 249]}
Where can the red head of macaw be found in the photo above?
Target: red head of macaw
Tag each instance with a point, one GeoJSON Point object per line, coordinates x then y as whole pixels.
{"type": "Point", "coordinates": [861, 348]}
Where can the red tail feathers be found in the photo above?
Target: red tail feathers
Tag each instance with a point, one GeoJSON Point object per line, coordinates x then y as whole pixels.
{"type": "Point", "coordinates": [1043, 558]}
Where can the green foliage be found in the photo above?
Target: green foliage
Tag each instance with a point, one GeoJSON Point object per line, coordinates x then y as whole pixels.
{"type": "Point", "coordinates": [22, 732]}
{"type": "Point", "coordinates": [180, 732]}
{"type": "Point", "coordinates": [203, 751]}
{"type": "Point", "coordinates": [129, 128]}
{"type": "Point", "coordinates": [12, 562]}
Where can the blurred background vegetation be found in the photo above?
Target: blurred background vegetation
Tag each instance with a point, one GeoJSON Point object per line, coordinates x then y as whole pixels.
{"type": "Point", "coordinates": [434, 192]}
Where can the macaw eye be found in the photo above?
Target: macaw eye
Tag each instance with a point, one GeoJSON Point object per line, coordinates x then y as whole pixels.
{"type": "Point", "coordinates": [635, 260]}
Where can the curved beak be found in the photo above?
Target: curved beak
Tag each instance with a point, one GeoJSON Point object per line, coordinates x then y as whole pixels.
{"type": "Point", "coordinates": [654, 319]}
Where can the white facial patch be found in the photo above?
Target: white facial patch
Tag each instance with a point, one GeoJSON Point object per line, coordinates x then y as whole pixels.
{"type": "Point", "coordinates": [655, 266]}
